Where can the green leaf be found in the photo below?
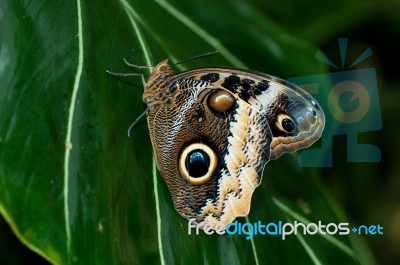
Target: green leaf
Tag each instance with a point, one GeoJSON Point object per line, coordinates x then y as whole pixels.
{"type": "Point", "coordinates": [76, 189]}
{"type": "Point", "coordinates": [319, 21]}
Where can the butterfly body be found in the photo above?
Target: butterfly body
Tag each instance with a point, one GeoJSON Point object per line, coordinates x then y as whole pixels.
{"type": "Point", "coordinates": [214, 129]}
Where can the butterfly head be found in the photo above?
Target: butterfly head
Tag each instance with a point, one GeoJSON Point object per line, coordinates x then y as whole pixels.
{"type": "Point", "coordinates": [159, 79]}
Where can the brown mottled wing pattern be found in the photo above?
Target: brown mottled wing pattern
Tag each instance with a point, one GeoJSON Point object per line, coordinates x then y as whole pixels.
{"type": "Point", "coordinates": [242, 141]}
{"type": "Point", "coordinates": [244, 138]}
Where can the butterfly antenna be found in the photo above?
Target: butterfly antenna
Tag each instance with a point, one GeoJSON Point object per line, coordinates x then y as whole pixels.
{"type": "Point", "coordinates": [137, 66]}
{"type": "Point", "coordinates": [197, 57]}
{"type": "Point", "coordinates": [122, 74]}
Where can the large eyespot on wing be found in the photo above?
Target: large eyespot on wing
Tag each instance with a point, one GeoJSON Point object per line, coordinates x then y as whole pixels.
{"type": "Point", "coordinates": [197, 163]}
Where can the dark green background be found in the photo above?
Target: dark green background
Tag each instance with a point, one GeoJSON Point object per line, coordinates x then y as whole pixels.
{"type": "Point", "coordinates": [111, 189]}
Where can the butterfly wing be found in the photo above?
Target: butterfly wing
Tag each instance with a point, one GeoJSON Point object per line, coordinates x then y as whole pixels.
{"type": "Point", "coordinates": [215, 131]}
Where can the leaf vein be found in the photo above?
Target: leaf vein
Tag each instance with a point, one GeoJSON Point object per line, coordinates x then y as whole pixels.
{"type": "Point", "coordinates": [253, 246]}
{"type": "Point", "coordinates": [68, 144]}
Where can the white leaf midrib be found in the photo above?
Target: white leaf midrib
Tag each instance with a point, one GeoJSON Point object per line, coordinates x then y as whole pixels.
{"type": "Point", "coordinates": [68, 140]}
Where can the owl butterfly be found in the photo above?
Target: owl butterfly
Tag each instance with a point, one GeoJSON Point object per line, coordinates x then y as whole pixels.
{"type": "Point", "coordinates": [214, 129]}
